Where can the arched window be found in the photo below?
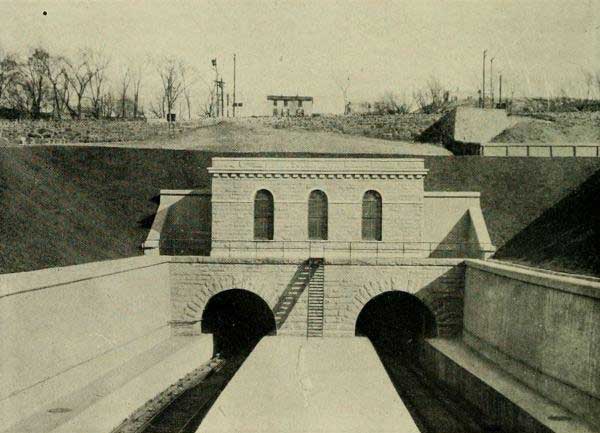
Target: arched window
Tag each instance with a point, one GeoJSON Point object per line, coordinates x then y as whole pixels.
{"type": "Point", "coordinates": [317, 215]}
{"type": "Point", "coordinates": [263, 215]}
{"type": "Point", "coordinates": [371, 216]}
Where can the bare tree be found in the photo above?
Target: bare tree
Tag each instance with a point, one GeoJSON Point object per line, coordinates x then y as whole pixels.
{"type": "Point", "coordinates": [207, 105]}
{"type": "Point", "coordinates": [9, 75]}
{"type": "Point", "coordinates": [108, 104]}
{"type": "Point", "coordinates": [54, 67]}
{"type": "Point", "coordinates": [136, 77]}
{"type": "Point", "coordinates": [77, 73]}
{"type": "Point", "coordinates": [391, 103]}
{"type": "Point", "coordinates": [125, 80]}
{"type": "Point", "coordinates": [157, 107]}
{"type": "Point", "coordinates": [186, 90]}
{"type": "Point", "coordinates": [34, 82]}
{"type": "Point", "coordinates": [343, 84]}
{"type": "Point", "coordinates": [97, 64]}
{"type": "Point", "coordinates": [172, 85]}
{"type": "Point", "coordinates": [433, 98]}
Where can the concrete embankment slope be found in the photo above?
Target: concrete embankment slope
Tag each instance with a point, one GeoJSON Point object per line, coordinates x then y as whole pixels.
{"type": "Point", "coordinates": [291, 384]}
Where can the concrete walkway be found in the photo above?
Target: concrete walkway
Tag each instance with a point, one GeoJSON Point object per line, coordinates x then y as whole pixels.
{"type": "Point", "coordinates": [101, 405]}
{"type": "Point", "coordinates": [295, 384]}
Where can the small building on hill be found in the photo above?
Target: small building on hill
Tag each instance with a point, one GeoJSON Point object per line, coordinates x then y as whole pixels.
{"type": "Point", "coordinates": [291, 106]}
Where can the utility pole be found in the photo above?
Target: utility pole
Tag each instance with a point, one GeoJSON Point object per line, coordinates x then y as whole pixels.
{"type": "Point", "coordinates": [228, 105]}
{"type": "Point", "coordinates": [222, 85]}
{"type": "Point", "coordinates": [492, 80]}
{"type": "Point", "coordinates": [500, 90]}
{"type": "Point", "coordinates": [234, 85]}
{"type": "Point", "coordinates": [214, 63]}
{"type": "Point", "coordinates": [483, 85]}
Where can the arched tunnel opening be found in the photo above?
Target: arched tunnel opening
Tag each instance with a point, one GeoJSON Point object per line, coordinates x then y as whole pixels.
{"type": "Point", "coordinates": [396, 323]}
{"type": "Point", "coordinates": [238, 319]}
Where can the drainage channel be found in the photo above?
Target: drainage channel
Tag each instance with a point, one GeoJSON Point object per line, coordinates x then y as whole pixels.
{"type": "Point", "coordinates": [434, 409]}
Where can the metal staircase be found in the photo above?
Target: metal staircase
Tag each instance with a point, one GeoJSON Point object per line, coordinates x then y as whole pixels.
{"type": "Point", "coordinates": [292, 293]}
{"type": "Point", "coordinates": [316, 299]}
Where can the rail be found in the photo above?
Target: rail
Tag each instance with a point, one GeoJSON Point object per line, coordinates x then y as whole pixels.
{"type": "Point", "coordinates": [318, 248]}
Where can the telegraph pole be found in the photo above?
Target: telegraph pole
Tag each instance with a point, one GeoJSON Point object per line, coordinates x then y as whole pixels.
{"type": "Point", "coordinates": [214, 63]}
{"type": "Point", "coordinates": [222, 85]}
{"type": "Point", "coordinates": [492, 80]}
{"type": "Point", "coordinates": [234, 85]}
{"type": "Point", "coordinates": [500, 90]}
{"type": "Point", "coordinates": [483, 85]}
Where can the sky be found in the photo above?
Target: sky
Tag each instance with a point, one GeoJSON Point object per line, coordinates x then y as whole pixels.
{"type": "Point", "coordinates": [308, 47]}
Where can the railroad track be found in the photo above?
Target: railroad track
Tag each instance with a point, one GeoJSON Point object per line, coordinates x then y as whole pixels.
{"type": "Point", "coordinates": [434, 409]}
{"type": "Point", "coordinates": [186, 411]}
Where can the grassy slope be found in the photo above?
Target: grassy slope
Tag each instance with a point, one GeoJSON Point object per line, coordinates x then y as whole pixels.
{"type": "Point", "coordinates": [66, 205]}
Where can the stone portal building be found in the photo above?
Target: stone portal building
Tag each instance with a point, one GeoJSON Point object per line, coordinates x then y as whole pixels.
{"type": "Point", "coordinates": [339, 207]}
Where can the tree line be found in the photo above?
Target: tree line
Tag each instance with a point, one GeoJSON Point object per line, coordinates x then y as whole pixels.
{"type": "Point", "coordinates": [432, 98]}
{"type": "Point", "coordinates": [47, 85]}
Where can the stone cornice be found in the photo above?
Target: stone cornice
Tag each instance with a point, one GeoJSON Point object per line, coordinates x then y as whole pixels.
{"type": "Point", "coordinates": [420, 174]}
{"type": "Point", "coordinates": [318, 168]}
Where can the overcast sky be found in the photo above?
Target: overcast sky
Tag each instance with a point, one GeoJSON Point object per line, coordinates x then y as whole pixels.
{"type": "Point", "coordinates": [300, 47]}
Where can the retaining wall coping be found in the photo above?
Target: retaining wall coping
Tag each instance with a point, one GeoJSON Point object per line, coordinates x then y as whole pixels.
{"type": "Point", "coordinates": [202, 191]}
{"type": "Point", "coordinates": [24, 282]}
{"type": "Point", "coordinates": [539, 144]}
{"type": "Point", "coordinates": [407, 261]}
{"type": "Point", "coordinates": [569, 284]}
{"type": "Point", "coordinates": [453, 194]}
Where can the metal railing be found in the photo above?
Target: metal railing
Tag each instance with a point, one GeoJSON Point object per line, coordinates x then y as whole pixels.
{"type": "Point", "coordinates": [317, 248]}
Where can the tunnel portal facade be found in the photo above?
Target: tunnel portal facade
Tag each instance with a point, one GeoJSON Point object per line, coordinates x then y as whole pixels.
{"type": "Point", "coordinates": [318, 238]}
{"type": "Point", "coordinates": [436, 283]}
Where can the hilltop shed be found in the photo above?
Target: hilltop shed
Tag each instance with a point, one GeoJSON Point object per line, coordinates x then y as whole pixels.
{"type": "Point", "coordinates": [291, 106]}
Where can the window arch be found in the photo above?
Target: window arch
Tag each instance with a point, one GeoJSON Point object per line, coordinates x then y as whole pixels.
{"type": "Point", "coordinates": [263, 215]}
{"type": "Point", "coordinates": [317, 215]}
{"type": "Point", "coordinates": [371, 216]}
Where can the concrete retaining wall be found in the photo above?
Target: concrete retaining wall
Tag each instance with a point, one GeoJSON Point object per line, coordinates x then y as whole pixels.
{"type": "Point", "coordinates": [542, 328]}
{"type": "Point", "coordinates": [477, 125]}
{"type": "Point", "coordinates": [54, 319]}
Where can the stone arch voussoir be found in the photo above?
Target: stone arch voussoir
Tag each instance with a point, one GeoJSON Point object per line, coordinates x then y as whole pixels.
{"type": "Point", "coordinates": [194, 308]}
{"type": "Point", "coordinates": [374, 288]}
